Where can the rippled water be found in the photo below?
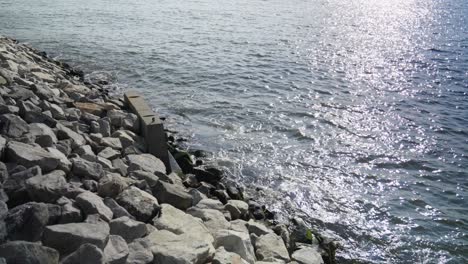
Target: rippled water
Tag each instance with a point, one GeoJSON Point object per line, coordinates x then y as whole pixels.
{"type": "Point", "coordinates": [354, 113]}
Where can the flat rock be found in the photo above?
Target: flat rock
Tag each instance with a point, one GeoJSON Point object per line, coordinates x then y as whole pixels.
{"type": "Point", "coordinates": [271, 246]}
{"type": "Point", "coordinates": [116, 250]}
{"type": "Point", "coordinates": [225, 257]}
{"type": "Point", "coordinates": [75, 235]}
{"type": "Point", "coordinates": [90, 203]}
{"type": "Point", "coordinates": [172, 194]}
{"type": "Point", "coordinates": [46, 188]}
{"type": "Point", "coordinates": [149, 177]}
{"type": "Point", "coordinates": [307, 255]}
{"type": "Point", "coordinates": [146, 162]}
{"type": "Point", "coordinates": [127, 228]}
{"type": "Point", "coordinates": [86, 253]}
{"type": "Point", "coordinates": [22, 252]}
{"type": "Point", "coordinates": [142, 205]}
{"type": "Point", "coordinates": [237, 208]}
{"type": "Point", "coordinates": [210, 204]}
{"type": "Point", "coordinates": [44, 135]}
{"type": "Point", "coordinates": [28, 156]}
{"type": "Point", "coordinates": [213, 219]}
{"type": "Point", "coordinates": [257, 228]}
{"type": "Point", "coordinates": [87, 169]}
{"type": "Point", "coordinates": [237, 242]}
{"type": "Point", "coordinates": [139, 252]}
{"type": "Point", "coordinates": [111, 142]}
{"type": "Point", "coordinates": [64, 132]}
{"type": "Point", "coordinates": [109, 153]}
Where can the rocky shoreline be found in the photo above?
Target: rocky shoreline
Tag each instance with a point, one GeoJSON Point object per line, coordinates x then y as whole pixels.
{"type": "Point", "coordinates": [78, 186]}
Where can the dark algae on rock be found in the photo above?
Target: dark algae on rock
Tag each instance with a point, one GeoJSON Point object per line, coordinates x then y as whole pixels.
{"type": "Point", "coordinates": [78, 186]}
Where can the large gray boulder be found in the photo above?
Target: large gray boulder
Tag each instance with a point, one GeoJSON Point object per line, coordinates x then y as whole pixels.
{"type": "Point", "coordinates": [116, 250]}
{"type": "Point", "coordinates": [149, 177]}
{"type": "Point", "coordinates": [237, 242]}
{"type": "Point", "coordinates": [127, 228]}
{"type": "Point", "coordinates": [112, 185]}
{"type": "Point", "coordinates": [178, 222]}
{"type": "Point", "coordinates": [213, 219]}
{"type": "Point", "coordinates": [28, 156]}
{"type": "Point", "coordinates": [15, 185]}
{"type": "Point", "coordinates": [27, 221]}
{"type": "Point", "coordinates": [225, 257]}
{"type": "Point", "coordinates": [71, 213]}
{"type": "Point", "coordinates": [237, 208]}
{"type": "Point", "coordinates": [13, 126]}
{"type": "Point", "coordinates": [87, 169]}
{"type": "Point", "coordinates": [172, 194]}
{"type": "Point", "coordinates": [117, 210]}
{"type": "Point", "coordinates": [257, 228]}
{"type": "Point", "coordinates": [139, 252]}
{"type": "Point", "coordinates": [168, 247]}
{"type": "Point", "coordinates": [308, 255]}
{"type": "Point", "coordinates": [90, 203]}
{"type": "Point", "coordinates": [142, 205]}
{"type": "Point", "coordinates": [46, 188]}
{"type": "Point", "coordinates": [64, 132]}
{"type": "Point", "coordinates": [271, 246]}
{"type": "Point", "coordinates": [44, 135]}
{"type": "Point", "coordinates": [111, 142]}
{"type": "Point", "coordinates": [86, 253]}
{"type": "Point", "coordinates": [146, 162]}
{"type": "Point", "coordinates": [67, 238]}
{"type": "Point", "coordinates": [22, 252]}
{"type": "Point", "coordinates": [109, 153]}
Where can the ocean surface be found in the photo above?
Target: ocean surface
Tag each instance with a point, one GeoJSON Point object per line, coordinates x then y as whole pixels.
{"type": "Point", "coordinates": [353, 113]}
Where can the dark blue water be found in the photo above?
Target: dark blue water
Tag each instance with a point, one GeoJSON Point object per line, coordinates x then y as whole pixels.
{"type": "Point", "coordinates": [351, 113]}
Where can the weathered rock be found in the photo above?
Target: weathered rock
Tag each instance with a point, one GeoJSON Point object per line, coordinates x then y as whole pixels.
{"type": "Point", "coordinates": [29, 156]}
{"type": "Point", "coordinates": [214, 220]}
{"type": "Point", "coordinates": [90, 203]}
{"type": "Point", "coordinates": [86, 253]}
{"type": "Point", "coordinates": [90, 185]}
{"type": "Point", "coordinates": [210, 204]}
{"type": "Point", "coordinates": [237, 208]}
{"type": "Point", "coordinates": [15, 185]}
{"type": "Point", "coordinates": [172, 194]}
{"type": "Point", "coordinates": [64, 132]}
{"type": "Point", "coordinates": [257, 228]}
{"type": "Point", "coordinates": [46, 188]}
{"type": "Point", "coordinates": [64, 146]}
{"type": "Point", "coordinates": [40, 117]}
{"type": "Point", "coordinates": [116, 250]}
{"type": "Point", "coordinates": [237, 242]}
{"type": "Point", "coordinates": [197, 196]}
{"type": "Point", "coordinates": [65, 164]}
{"type": "Point", "coordinates": [282, 231]}
{"type": "Point", "coordinates": [308, 255]}
{"type": "Point", "coordinates": [75, 235]}
{"type": "Point", "coordinates": [104, 127]}
{"type": "Point", "coordinates": [111, 142]}
{"type": "Point", "coordinates": [87, 169]}
{"type": "Point", "coordinates": [112, 185]}
{"type": "Point", "coordinates": [127, 228]}
{"type": "Point", "coordinates": [13, 126]}
{"type": "Point", "coordinates": [9, 109]}
{"type": "Point", "coordinates": [149, 177]}
{"type": "Point", "coordinates": [73, 114]}
{"type": "Point", "coordinates": [45, 137]}
{"type": "Point", "coordinates": [139, 252]}
{"type": "Point", "coordinates": [142, 205]}
{"type": "Point", "coordinates": [22, 252]}
{"type": "Point", "coordinates": [57, 112]}
{"type": "Point", "coordinates": [271, 246]}
{"type": "Point", "coordinates": [109, 153]}
{"type": "Point", "coordinates": [168, 247]}
{"type": "Point", "coordinates": [117, 210]}
{"type": "Point", "coordinates": [146, 162]}
{"type": "Point", "coordinates": [224, 257]}
{"type": "Point", "coordinates": [120, 166]}
{"type": "Point", "coordinates": [27, 221]}
{"type": "Point", "coordinates": [86, 152]}
{"type": "Point", "coordinates": [71, 213]}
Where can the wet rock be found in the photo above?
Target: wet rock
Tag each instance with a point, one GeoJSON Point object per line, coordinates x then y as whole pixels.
{"type": "Point", "coordinates": [27, 221]}
{"type": "Point", "coordinates": [168, 247]}
{"type": "Point", "coordinates": [64, 132]}
{"type": "Point", "coordinates": [46, 188]}
{"type": "Point", "coordinates": [172, 194]}
{"type": "Point", "coordinates": [207, 176]}
{"type": "Point", "coordinates": [308, 255]}
{"type": "Point", "coordinates": [127, 228]}
{"type": "Point", "coordinates": [22, 252]}
{"type": "Point", "coordinates": [90, 203]}
{"type": "Point", "coordinates": [142, 205]}
{"type": "Point", "coordinates": [86, 253]}
{"type": "Point", "coordinates": [271, 246]}
{"type": "Point", "coordinates": [145, 162]}
{"type": "Point", "coordinates": [117, 210]}
{"type": "Point", "coordinates": [139, 252]}
{"type": "Point", "coordinates": [13, 126]}
{"type": "Point", "coordinates": [235, 192]}
{"type": "Point", "coordinates": [237, 242]}
{"type": "Point", "coordinates": [221, 195]}
{"type": "Point", "coordinates": [44, 135]}
{"type": "Point", "coordinates": [87, 169]}
{"type": "Point", "coordinates": [116, 250]}
{"type": "Point", "coordinates": [224, 257]}
{"type": "Point", "coordinates": [256, 211]}
{"type": "Point", "coordinates": [75, 235]}
{"type": "Point", "coordinates": [237, 208]}
{"type": "Point", "coordinates": [29, 156]}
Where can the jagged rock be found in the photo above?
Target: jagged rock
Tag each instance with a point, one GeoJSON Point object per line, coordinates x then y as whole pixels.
{"type": "Point", "coordinates": [104, 127]}
{"type": "Point", "coordinates": [27, 221]}
{"type": "Point", "coordinates": [120, 166]}
{"type": "Point", "coordinates": [139, 252]}
{"type": "Point", "coordinates": [64, 132]}
{"type": "Point", "coordinates": [117, 210]}
{"type": "Point", "coordinates": [73, 114]}
{"type": "Point", "coordinates": [172, 194]}
{"type": "Point", "coordinates": [125, 138]}
{"type": "Point", "coordinates": [13, 126]}
{"type": "Point", "coordinates": [90, 185]}
{"type": "Point", "coordinates": [127, 228]}
{"type": "Point", "coordinates": [149, 177]}
{"type": "Point", "coordinates": [90, 203]}
{"type": "Point", "coordinates": [71, 213]}
{"type": "Point", "coordinates": [237, 242]}
{"type": "Point", "coordinates": [106, 164]}
{"type": "Point", "coordinates": [109, 153]}
{"type": "Point", "coordinates": [22, 252]}
{"type": "Point", "coordinates": [27, 106]}
{"type": "Point", "coordinates": [65, 164]}
{"type": "Point", "coordinates": [111, 142]}
{"type": "Point", "coordinates": [308, 255]}
{"type": "Point", "coordinates": [237, 208]}
{"type": "Point", "coordinates": [45, 137]}
{"type": "Point", "coordinates": [86, 253]}
{"type": "Point", "coordinates": [57, 112]}
{"type": "Point", "coordinates": [214, 220]}
{"type": "Point", "coordinates": [112, 184]}
{"type": "Point", "coordinates": [116, 250]}
{"type": "Point", "coordinates": [224, 257]}
{"type": "Point", "coordinates": [9, 109]}
{"type": "Point", "coordinates": [168, 247]}
{"type": "Point", "coordinates": [210, 204]}
{"type": "Point", "coordinates": [142, 205]}
{"type": "Point", "coordinates": [15, 185]}
{"type": "Point", "coordinates": [75, 235]}
{"type": "Point", "coordinates": [257, 228]}
{"type": "Point", "coordinates": [271, 246]}
{"type": "Point", "coordinates": [282, 231]}
{"type": "Point", "coordinates": [64, 146]}
{"type": "Point", "coordinates": [178, 222]}
{"type": "Point", "coordinates": [40, 117]}
{"type": "Point", "coordinates": [87, 169]}
{"type": "Point", "coordinates": [146, 162]}
{"type": "Point", "coordinates": [86, 152]}
{"type": "Point", "coordinates": [46, 188]}
{"type": "Point", "coordinates": [29, 156]}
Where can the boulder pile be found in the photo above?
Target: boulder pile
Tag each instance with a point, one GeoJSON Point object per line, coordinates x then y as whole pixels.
{"type": "Point", "coordinates": [76, 185]}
